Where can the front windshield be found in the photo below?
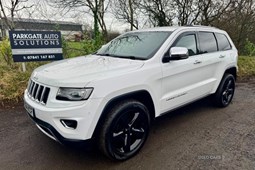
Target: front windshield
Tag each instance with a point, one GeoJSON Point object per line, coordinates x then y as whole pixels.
{"type": "Point", "coordinates": [135, 45]}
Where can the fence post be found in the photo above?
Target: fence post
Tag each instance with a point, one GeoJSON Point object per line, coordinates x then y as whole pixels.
{"type": "Point", "coordinates": [24, 67]}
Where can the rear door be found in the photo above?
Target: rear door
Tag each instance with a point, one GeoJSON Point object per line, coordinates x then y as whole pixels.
{"type": "Point", "coordinates": [225, 56]}
{"type": "Point", "coordinates": [214, 57]}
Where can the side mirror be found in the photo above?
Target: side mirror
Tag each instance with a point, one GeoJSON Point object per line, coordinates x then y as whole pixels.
{"type": "Point", "coordinates": [178, 53]}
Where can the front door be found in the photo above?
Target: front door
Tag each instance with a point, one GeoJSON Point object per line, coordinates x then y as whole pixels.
{"type": "Point", "coordinates": [183, 80]}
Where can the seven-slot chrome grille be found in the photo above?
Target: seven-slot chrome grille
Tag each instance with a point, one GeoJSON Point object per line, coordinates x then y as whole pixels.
{"type": "Point", "coordinates": [38, 92]}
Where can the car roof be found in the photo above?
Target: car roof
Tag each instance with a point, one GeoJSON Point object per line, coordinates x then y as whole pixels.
{"type": "Point", "coordinates": [174, 28]}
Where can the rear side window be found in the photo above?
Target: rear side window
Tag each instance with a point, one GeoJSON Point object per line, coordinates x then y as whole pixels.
{"type": "Point", "coordinates": [188, 41]}
{"type": "Point", "coordinates": [207, 42]}
{"type": "Point", "coordinates": [223, 42]}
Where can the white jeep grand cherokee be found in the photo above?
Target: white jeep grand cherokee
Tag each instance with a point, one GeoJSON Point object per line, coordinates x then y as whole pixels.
{"type": "Point", "coordinates": [112, 96]}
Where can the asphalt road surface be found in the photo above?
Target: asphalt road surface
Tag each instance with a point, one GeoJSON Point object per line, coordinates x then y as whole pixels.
{"type": "Point", "coordinates": [198, 136]}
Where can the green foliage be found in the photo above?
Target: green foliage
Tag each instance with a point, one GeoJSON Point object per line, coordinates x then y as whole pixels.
{"type": "Point", "coordinates": [12, 84]}
{"type": "Point", "coordinates": [64, 47]}
{"type": "Point", "coordinates": [5, 52]}
{"type": "Point", "coordinates": [246, 66]}
{"type": "Point", "coordinates": [90, 46]}
{"type": "Point", "coordinates": [85, 47]}
{"type": "Point", "coordinates": [12, 80]}
{"type": "Point", "coordinates": [249, 48]}
{"type": "Point", "coordinates": [73, 49]}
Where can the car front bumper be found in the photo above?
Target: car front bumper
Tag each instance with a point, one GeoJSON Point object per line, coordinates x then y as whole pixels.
{"type": "Point", "coordinates": [48, 119]}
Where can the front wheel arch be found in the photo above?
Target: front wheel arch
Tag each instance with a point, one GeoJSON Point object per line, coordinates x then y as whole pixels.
{"type": "Point", "coordinates": [142, 96]}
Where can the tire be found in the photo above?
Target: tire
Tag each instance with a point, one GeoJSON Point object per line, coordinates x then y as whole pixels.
{"type": "Point", "coordinates": [124, 130]}
{"type": "Point", "coordinates": [225, 91]}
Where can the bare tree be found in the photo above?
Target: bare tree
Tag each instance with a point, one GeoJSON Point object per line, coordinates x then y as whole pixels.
{"type": "Point", "coordinates": [187, 11]}
{"type": "Point", "coordinates": [96, 7]}
{"type": "Point", "coordinates": [9, 9]}
{"type": "Point", "coordinates": [160, 12]}
{"type": "Point", "coordinates": [239, 22]}
{"type": "Point", "coordinates": [41, 10]}
{"type": "Point", "coordinates": [211, 10]}
{"type": "Point", "coordinates": [128, 11]}
{"type": "Point", "coordinates": [245, 21]}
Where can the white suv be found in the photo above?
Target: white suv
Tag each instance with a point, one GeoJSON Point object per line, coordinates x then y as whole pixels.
{"type": "Point", "coordinates": [112, 96]}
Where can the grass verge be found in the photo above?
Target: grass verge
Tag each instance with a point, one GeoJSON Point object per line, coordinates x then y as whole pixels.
{"type": "Point", "coordinates": [246, 67]}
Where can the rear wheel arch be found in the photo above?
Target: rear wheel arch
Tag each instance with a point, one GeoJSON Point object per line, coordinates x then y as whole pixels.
{"type": "Point", "coordinates": [231, 70]}
{"type": "Point", "coordinates": [142, 96]}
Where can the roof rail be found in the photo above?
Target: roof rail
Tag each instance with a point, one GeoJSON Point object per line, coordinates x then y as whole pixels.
{"type": "Point", "coordinates": [200, 26]}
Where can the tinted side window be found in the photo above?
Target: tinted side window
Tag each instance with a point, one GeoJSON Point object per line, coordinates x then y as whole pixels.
{"type": "Point", "coordinates": [188, 41]}
{"type": "Point", "coordinates": [223, 42]}
{"type": "Point", "coordinates": [207, 42]}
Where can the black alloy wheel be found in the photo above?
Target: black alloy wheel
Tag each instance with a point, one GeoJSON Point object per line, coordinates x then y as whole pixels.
{"type": "Point", "coordinates": [228, 91]}
{"type": "Point", "coordinates": [225, 91]}
{"type": "Point", "coordinates": [125, 130]}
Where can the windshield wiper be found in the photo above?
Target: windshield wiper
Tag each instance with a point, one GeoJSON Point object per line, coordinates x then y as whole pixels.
{"type": "Point", "coordinates": [119, 56]}
{"type": "Point", "coordinates": [128, 57]}
{"type": "Point", "coordinates": [131, 57]}
{"type": "Point", "coordinates": [106, 54]}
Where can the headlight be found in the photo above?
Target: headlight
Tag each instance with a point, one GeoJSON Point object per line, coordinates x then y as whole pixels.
{"type": "Point", "coordinates": [73, 94]}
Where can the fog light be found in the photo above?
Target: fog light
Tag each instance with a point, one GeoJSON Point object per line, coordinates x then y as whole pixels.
{"type": "Point", "coordinates": [69, 124]}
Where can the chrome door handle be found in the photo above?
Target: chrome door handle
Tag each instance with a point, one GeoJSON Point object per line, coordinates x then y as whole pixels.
{"type": "Point", "coordinates": [222, 56]}
{"type": "Point", "coordinates": [197, 62]}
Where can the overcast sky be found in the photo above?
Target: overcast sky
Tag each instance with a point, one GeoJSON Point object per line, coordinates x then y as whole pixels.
{"type": "Point", "coordinates": [42, 10]}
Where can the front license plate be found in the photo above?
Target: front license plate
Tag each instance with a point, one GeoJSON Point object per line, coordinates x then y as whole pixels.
{"type": "Point", "coordinates": [29, 109]}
